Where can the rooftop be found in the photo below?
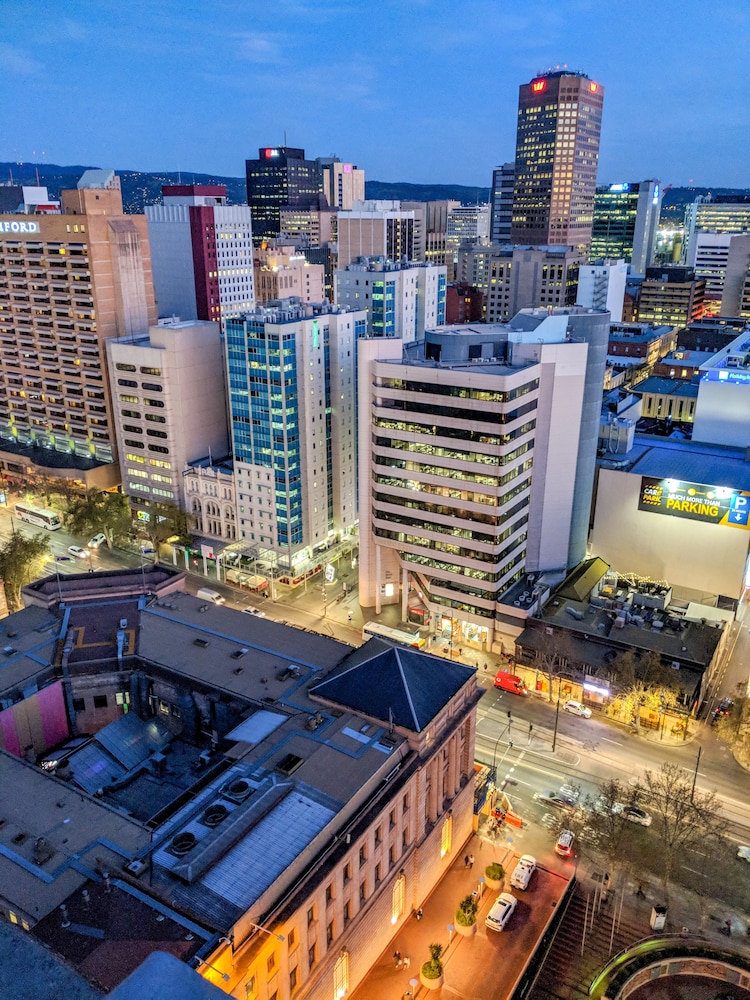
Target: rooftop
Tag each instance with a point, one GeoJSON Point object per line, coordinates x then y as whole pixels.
{"type": "Point", "coordinates": [687, 461]}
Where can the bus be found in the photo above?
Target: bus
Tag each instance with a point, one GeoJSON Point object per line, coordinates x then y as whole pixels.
{"type": "Point", "coordinates": [40, 516]}
{"type": "Point", "coordinates": [399, 637]}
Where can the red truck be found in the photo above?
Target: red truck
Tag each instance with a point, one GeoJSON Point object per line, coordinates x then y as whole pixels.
{"type": "Point", "coordinates": [510, 682]}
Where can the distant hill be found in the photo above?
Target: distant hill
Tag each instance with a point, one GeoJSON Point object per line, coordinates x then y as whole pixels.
{"type": "Point", "coordinates": [140, 188]}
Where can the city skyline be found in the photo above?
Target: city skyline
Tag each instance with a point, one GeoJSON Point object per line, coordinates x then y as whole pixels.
{"type": "Point", "coordinates": [393, 90]}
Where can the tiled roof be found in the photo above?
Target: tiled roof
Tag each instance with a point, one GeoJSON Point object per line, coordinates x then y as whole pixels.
{"type": "Point", "coordinates": [397, 686]}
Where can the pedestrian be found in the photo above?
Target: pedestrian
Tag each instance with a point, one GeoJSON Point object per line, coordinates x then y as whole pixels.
{"type": "Point", "coordinates": [471, 861]}
{"type": "Point", "coordinates": [640, 894]}
{"type": "Point", "coordinates": [728, 925]}
{"type": "Point", "coordinates": [485, 668]}
{"type": "Point", "coordinates": [466, 860]}
{"type": "Point", "coordinates": [407, 961]}
{"type": "Point", "coordinates": [419, 914]}
{"type": "Point", "coordinates": [397, 958]}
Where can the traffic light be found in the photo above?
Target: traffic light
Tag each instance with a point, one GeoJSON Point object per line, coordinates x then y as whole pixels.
{"type": "Point", "coordinates": [509, 713]}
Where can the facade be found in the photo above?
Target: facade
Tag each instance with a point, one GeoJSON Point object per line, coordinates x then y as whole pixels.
{"type": "Point", "coordinates": [736, 291]}
{"type": "Point", "coordinates": [170, 406]}
{"type": "Point", "coordinates": [709, 256]}
{"type": "Point", "coordinates": [291, 400]}
{"type": "Point", "coordinates": [528, 277]}
{"type": "Point", "coordinates": [557, 152]}
{"type": "Point", "coordinates": [342, 183]}
{"type": "Point", "coordinates": [400, 299]}
{"type": "Point", "coordinates": [640, 343]}
{"type": "Point", "coordinates": [474, 261]}
{"type": "Point", "coordinates": [463, 304]}
{"type": "Point", "coordinates": [602, 286]}
{"type": "Point", "coordinates": [376, 229]}
{"type": "Point", "coordinates": [281, 273]}
{"type": "Point", "coordinates": [202, 251]}
{"type": "Point", "coordinates": [671, 296]}
{"type": "Point", "coordinates": [477, 455]}
{"type": "Point", "coordinates": [279, 177]}
{"type": "Point", "coordinates": [626, 219]}
{"type": "Point", "coordinates": [209, 497]}
{"type": "Point", "coordinates": [501, 202]}
{"type": "Point", "coordinates": [723, 213]}
{"type": "Point", "coordinates": [284, 852]}
{"type": "Point", "coordinates": [722, 413]}
{"type": "Point", "coordinates": [667, 401]}
{"type": "Point", "coordinates": [308, 226]}
{"type": "Point", "coordinates": [69, 282]}
{"type": "Point", "coordinates": [465, 224]}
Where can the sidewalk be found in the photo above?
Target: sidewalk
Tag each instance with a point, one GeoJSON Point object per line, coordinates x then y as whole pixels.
{"type": "Point", "coordinates": [385, 981]}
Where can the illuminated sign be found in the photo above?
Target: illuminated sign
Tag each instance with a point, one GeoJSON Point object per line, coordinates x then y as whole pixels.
{"type": "Point", "coordinates": [736, 375]}
{"type": "Point", "coordinates": [710, 504]}
{"type": "Point", "coordinates": [270, 153]}
{"type": "Point", "coordinates": [19, 227]}
{"type": "Point", "coordinates": [619, 187]}
{"type": "Point", "coordinates": [656, 195]}
{"type": "Point", "coordinates": [538, 86]}
{"type": "Point", "coordinates": [593, 87]}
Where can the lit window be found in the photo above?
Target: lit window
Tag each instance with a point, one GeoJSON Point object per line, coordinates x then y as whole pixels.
{"type": "Point", "coordinates": [341, 975]}
{"type": "Point", "coordinates": [446, 837]}
{"type": "Point", "coordinates": [398, 896]}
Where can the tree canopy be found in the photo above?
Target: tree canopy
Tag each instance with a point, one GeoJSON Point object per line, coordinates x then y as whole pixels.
{"type": "Point", "coordinates": [22, 559]}
{"type": "Point", "coordinates": [100, 511]}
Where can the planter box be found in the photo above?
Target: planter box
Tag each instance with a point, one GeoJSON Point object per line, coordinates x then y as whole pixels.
{"type": "Point", "coordinates": [466, 930]}
{"type": "Point", "coordinates": [431, 984]}
{"type": "Point", "coordinates": [493, 883]}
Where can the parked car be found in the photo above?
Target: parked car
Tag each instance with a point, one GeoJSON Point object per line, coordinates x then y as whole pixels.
{"type": "Point", "coordinates": [564, 844]}
{"type": "Point", "coordinates": [636, 815]}
{"type": "Point", "coordinates": [743, 853]}
{"type": "Point", "coordinates": [523, 871]}
{"type": "Point", "coordinates": [501, 912]}
{"type": "Point", "coordinates": [254, 611]}
{"type": "Point", "coordinates": [99, 539]}
{"type": "Point", "coordinates": [78, 552]}
{"type": "Point", "coordinates": [557, 800]}
{"type": "Point", "coordinates": [577, 708]}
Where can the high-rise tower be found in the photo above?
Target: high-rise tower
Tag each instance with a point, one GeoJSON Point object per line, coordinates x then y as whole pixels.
{"type": "Point", "coordinates": [557, 151]}
{"type": "Point", "coordinates": [280, 176]}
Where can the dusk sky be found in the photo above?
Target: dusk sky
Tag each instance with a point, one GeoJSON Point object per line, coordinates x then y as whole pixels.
{"type": "Point", "coordinates": [409, 90]}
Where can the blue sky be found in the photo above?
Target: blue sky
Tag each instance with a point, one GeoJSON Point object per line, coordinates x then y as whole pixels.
{"type": "Point", "coordinates": [409, 90]}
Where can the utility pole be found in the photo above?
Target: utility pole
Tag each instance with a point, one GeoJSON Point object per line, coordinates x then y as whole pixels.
{"type": "Point", "coordinates": [695, 773]}
{"type": "Point", "coordinates": [554, 735]}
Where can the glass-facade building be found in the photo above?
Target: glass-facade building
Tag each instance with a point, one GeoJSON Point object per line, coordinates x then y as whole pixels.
{"type": "Point", "coordinates": [626, 218]}
{"type": "Point", "coordinates": [280, 176]}
{"type": "Point", "coordinates": [292, 405]}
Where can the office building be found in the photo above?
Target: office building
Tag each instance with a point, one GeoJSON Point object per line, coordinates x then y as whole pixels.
{"type": "Point", "coordinates": [736, 291]}
{"type": "Point", "coordinates": [527, 277]}
{"type": "Point", "coordinates": [602, 286]}
{"type": "Point", "coordinates": [723, 213]}
{"type": "Point", "coordinates": [209, 497]}
{"type": "Point", "coordinates": [69, 282]}
{"type": "Point", "coordinates": [722, 413]}
{"type": "Point", "coordinates": [202, 252]}
{"type": "Point", "coordinates": [421, 213]}
{"type": "Point", "coordinates": [376, 229]}
{"type": "Point", "coordinates": [639, 343]}
{"type": "Point", "coordinates": [308, 226]}
{"type": "Point", "coordinates": [400, 299]}
{"type": "Point", "coordinates": [341, 183]}
{"type": "Point", "coordinates": [557, 152]}
{"type": "Point", "coordinates": [626, 218]}
{"type": "Point", "coordinates": [671, 296]}
{"type": "Point", "coordinates": [169, 399]}
{"type": "Point", "coordinates": [282, 273]}
{"type": "Point", "coordinates": [291, 396]}
{"type": "Point", "coordinates": [501, 202]}
{"type": "Point", "coordinates": [477, 449]}
{"type": "Point", "coordinates": [466, 224]}
{"type": "Point", "coordinates": [474, 262]}
{"type": "Point", "coordinates": [223, 808]}
{"type": "Point", "coordinates": [463, 304]}
{"type": "Point", "coordinates": [281, 176]}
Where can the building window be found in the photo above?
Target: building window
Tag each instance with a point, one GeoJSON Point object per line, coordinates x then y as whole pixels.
{"type": "Point", "coordinates": [79, 704]}
{"type": "Point", "coordinates": [377, 873]}
{"type": "Point", "coordinates": [446, 836]}
{"type": "Point", "coordinates": [293, 979]}
{"type": "Point", "coordinates": [100, 701]}
{"type": "Point", "coordinates": [271, 963]}
{"type": "Point", "coordinates": [329, 893]}
{"type": "Point", "coordinates": [311, 955]}
{"type": "Point", "coordinates": [398, 897]}
{"type": "Point", "coordinates": [291, 939]}
{"type": "Point", "coordinates": [362, 856]}
{"type": "Point", "coordinates": [378, 836]}
{"type": "Point", "coordinates": [362, 893]}
{"type": "Point", "coordinates": [347, 872]}
{"type": "Point", "coordinates": [311, 916]}
{"type": "Point", "coordinates": [329, 934]}
{"type": "Point", "coordinates": [250, 988]}
{"type": "Point", "coordinates": [347, 912]}
{"type": "Point", "coordinates": [341, 975]}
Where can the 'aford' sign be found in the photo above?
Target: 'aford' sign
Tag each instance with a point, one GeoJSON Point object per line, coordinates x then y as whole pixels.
{"type": "Point", "coordinates": [712, 504]}
{"type": "Point", "coordinates": [19, 227]}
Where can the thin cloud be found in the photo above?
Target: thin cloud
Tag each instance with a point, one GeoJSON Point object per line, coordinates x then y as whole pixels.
{"type": "Point", "coordinates": [16, 62]}
{"type": "Point", "coordinates": [262, 49]}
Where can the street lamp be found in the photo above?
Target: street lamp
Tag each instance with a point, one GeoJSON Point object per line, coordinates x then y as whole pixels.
{"type": "Point", "coordinates": [493, 771]}
{"type": "Point", "coordinates": [224, 975]}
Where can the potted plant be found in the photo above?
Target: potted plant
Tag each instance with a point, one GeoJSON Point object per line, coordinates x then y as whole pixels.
{"type": "Point", "coordinates": [431, 973]}
{"type": "Point", "coordinates": [494, 875]}
{"type": "Point", "coordinates": [466, 915]}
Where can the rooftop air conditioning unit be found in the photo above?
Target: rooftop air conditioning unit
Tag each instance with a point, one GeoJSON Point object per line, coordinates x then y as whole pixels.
{"type": "Point", "coordinates": [136, 868]}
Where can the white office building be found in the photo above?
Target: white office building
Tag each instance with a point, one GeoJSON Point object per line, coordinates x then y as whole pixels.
{"type": "Point", "coordinates": [401, 299]}
{"type": "Point", "coordinates": [602, 286]}
{"type": "Point", "coordinates": [477, 449]}
{"type": "Point", "coordinates": [169, 405]}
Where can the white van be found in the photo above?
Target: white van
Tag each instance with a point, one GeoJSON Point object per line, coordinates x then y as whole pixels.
{"type": "Point", "coordinates": [206, 594]}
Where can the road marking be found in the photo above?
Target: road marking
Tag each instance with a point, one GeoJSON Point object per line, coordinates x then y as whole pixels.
{"type": "Point", "coordinates": [685, 868]}
{"type": "Point", "coordinates": [604, 738]}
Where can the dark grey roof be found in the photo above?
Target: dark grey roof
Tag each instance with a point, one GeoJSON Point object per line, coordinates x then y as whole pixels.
{"type": "Point", "coordinates": [397, 686]}
{"type": "Point", "coordinates": [692, 462]}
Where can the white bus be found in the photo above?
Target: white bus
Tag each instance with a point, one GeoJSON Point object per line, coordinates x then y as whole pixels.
{"type": "Point", "coordinates": [396, 635]}
{"type": "Point", "coordinates": [38, 515]}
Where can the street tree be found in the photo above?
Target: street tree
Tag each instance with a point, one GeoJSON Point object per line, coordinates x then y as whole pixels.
{"type": "Point", "coordinates": [610, 825]}
{"type": "Point", "coordinates": [683, 817]}
{"type": "Point", "coordinates": [553, 655]}
{"type": "Point", "coordinates": [22, 559]}
{"type": "Point", "coordinates": [166, 521]}
{"type": "Point", "coordinates": [734, 728]}
{"type": "Point", "coordinates": [645, 682]}
{"type": "Point", "coordinates": [98, 510]}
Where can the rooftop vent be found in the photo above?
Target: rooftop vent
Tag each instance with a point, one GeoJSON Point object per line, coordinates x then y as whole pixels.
{"type": "Point", "coordinates": [200, 642]}
{"type": "Point", "coordinates": [289, 764]}
{"type": "Point", "coordinates": [214, 814]}
{"type": "Point", "coordinates": [182, 843]}
{"type": "Point", "coordinates": [238, 789]}
{"type": "Point", "coordinates": [238, 653]}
